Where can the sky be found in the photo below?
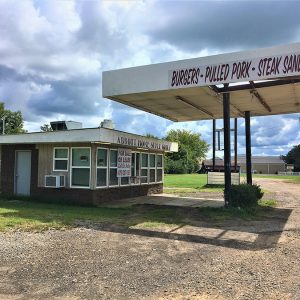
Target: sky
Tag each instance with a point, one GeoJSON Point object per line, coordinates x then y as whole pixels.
{"type": "Point", "coordinates": [53, 52]}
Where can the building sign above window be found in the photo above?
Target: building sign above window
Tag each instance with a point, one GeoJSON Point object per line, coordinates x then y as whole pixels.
{"type": "Point", "coordinates": [124, 163]}
{"type": "Point", "coordinates": [240, 70]}
{"type": "Point", "coordinates": [143, 143]}
{"type": "Point", "coordinates": [136, 141]}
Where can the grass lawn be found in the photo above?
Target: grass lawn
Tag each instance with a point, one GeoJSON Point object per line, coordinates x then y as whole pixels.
{"type": "Point", "coordinates": [294, 179]}
{"type": "Point", "coordinates": [188, 183]}
{"type": "Point", "coordinates": [26, 215]}
{"type": "Point", "coordinates": [199, 181]}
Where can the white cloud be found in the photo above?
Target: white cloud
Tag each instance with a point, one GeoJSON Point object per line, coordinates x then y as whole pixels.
{"type": "Point", "coordinates": [52, 54]}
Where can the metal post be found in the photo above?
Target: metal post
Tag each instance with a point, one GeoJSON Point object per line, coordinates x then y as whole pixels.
{"type": "Point", "coordinates": [214, 145]}
{"type": "Point", "coordinates": [248, 147]}
{"type": "Point", "coordinates": [235, 144]}
{"type": "Point", "coordinates": [227, 158]}
{"type": "Point", "coordinates": [3, 125]}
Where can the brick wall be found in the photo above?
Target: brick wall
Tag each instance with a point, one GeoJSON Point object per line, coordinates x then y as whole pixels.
{"type": "Point", "coordinates": [95, 197]}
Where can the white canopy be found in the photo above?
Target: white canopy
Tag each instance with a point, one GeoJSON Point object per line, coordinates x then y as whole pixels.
{"type": "Point", "coordinates": [263, 81]}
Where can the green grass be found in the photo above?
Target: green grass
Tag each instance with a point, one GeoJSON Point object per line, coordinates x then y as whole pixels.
{"type": "Point", "coordinates": [268, 202]}
{"type": "Point", "coordinates": [195, 181]}
{"type": "Point", "coordinates": [27, 216]}
{"type": "Point", "coordinates": [189, 183]}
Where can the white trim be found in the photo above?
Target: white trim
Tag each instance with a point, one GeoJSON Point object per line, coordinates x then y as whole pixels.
{"type": "Point", "coordinates": [54, 159]}
{"type": "Point", "coordinates": [89, 135]}
{"type": "Point", "coordinates": [79, 167]}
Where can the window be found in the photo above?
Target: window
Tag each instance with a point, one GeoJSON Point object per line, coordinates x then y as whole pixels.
{"type": "Point", "coordinates": [60, 159]}
{"type": "Point", "coordinates": [151, 168]}
{"type": "Point", "coordinates": [135, 168]}
{"type": "Point", "coordinates": [81, 166]}
{"type": "Point", "coordinates": [159, 168]}
{"type": "Point", "coordinates": [113, 179]}
{"type": "Point", "coordinates": [144, 168]}
{"type": "Point", "coordinates": [102, 163]}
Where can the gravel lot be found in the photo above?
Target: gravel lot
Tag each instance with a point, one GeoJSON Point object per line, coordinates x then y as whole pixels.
{"type": "Point", "coordinates": [238, 260]}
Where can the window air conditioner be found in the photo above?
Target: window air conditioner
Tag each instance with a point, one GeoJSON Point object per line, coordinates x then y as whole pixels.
{"type": "Point", "coordinates": [54, 181]}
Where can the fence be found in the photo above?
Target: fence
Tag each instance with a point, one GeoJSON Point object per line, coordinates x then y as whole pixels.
{"type": "Point", "coordinates": [289, 173]}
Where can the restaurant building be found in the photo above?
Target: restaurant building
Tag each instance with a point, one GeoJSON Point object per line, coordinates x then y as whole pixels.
{"type": "Point", "coordinates": [87, 166]}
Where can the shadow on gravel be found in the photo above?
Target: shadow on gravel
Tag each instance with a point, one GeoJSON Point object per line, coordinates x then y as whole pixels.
{"type": "Point", "coordinates": [261, 233]}
{"type": "Point", "coordinates": [208, 225]}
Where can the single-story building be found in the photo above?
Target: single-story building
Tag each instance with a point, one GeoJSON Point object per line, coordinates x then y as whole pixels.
{"type": "Point", "coordinates": [219, 165]}
{"type": "Point", "coordinates": [260, 164]}
{"type": "Point", "coordinates": [263, 164]}
{"type": "Point", "coordinates": [86, 166]}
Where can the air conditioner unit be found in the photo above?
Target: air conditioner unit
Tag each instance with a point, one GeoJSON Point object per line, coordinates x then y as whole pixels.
{"type": "Point", "coordinates": [54, 181]}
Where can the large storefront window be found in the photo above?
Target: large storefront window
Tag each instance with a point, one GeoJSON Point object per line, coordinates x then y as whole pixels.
{"type": "Point", "coordinates": [102, 170]}
{"type": "Point", "coordinates": [81, 166]}
{"type": "Point", "coordinates": [146, 168]}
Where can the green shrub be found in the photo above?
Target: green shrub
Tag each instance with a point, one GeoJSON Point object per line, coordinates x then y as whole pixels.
{"type": "Point", "coordinates": [258, 191]}
{"type": "Point", "coordinates": [245, 195]}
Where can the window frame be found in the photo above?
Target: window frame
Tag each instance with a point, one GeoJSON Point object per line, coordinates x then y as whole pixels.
{"type": "Point", "coordinates": [101, 167]}
{"type": "Point", "coordinates": [109, 167]}
{"type": "Point", "coordinates": [137, 177]}
{"type": "Point", "coordinates": [144, 168]}
{"type": "Point", "coordinates": [152, 168]}
{"type": "Point", "coordinates": [159, 168]}
{"type": "Point", "coordinates": [80, 167]}
{"type": "Point", "coordinates": [65, 159]}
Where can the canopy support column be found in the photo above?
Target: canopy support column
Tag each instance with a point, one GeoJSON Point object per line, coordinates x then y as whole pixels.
{"type": "Point", "coordinates": [227, 155]}
{"type": "Point", "coordinates": [248, 147]}
{"type": "Point", "coordinates": [235, 144]}
{"type": "Point", "coordinates": [214, 145]}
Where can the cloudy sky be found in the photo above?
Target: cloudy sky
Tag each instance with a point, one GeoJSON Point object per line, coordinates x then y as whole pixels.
{"type": "Point", "coordinates": [52, 54]}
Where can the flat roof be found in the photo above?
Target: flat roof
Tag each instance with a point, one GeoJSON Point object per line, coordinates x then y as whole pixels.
{"type": "Point", "coordinates": [91, 135]}
{"type": "Point", "coordinates": [263, 81]}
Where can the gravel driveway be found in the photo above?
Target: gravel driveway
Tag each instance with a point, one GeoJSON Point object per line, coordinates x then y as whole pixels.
{"type": "Point", "coordinates": [238, 260]}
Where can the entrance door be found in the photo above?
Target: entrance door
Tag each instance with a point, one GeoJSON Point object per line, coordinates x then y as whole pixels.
{"type": "Point", "coordinates": [23, 172]}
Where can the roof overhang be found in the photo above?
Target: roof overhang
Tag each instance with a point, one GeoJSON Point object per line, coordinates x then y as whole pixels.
{"type": "Point", "coordinates": [91, 135]}
{"type": "Point", "coordinates": [263, 81]}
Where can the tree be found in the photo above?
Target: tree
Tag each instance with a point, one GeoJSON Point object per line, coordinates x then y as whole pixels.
{"type": "Point", "coordinates": [13, 121]}
{"type": "Point", "coordinates": [293, 157]}
{"type": "Point", "coordinates": [46, 128]}
{"type": "Point", "coordinates": [191, 149]}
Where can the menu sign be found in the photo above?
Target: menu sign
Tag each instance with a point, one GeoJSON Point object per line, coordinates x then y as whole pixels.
{"type": "Point", "coordinates": [244, 70]}
{"type": "Point", "coordinates": [124, 163]}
